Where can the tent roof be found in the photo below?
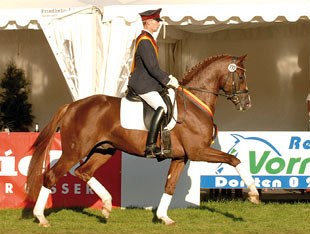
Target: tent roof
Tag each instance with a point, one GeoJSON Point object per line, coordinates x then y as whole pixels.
{"type": "Point", "coordinates": [180, 12]}
{"type": "Point", "coordinates": [15, 4]}
{"type": "Point", "coordinates": [16, 14]}
{"type": "Point", "coordinates": [214, 11]}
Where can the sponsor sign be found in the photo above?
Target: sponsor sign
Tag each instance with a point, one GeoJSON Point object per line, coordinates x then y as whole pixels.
{"type": "Point", "coordinates": [15, 156]}
{"type": "Point", "coordinates": [275, 159]}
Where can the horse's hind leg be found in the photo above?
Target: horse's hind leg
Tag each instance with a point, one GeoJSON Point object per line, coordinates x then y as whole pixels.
{"type": "Point", "coordinates": [175, 170]}
{"type": "Point", "coordinates": [51, 176]}
{"type": "Point", "coordinates": [38, 210]}
{"type": "Point", "coordinates": [86, 171]}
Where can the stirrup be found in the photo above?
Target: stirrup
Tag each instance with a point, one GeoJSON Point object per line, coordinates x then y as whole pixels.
{"type": "Point", "coordinates": [152, 151]}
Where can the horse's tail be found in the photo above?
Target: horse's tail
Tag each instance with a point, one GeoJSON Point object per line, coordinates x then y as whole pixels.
{"type": "Point", "coordinates": [41, 148]}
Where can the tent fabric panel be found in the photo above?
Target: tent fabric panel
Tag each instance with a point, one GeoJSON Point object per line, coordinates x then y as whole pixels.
{"type": "Point", "coordinates": [118, 44]}
{"type": "Point", "coordinates": [74, 51]}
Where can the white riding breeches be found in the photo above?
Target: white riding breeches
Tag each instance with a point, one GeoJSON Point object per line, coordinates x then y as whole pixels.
{"type": "Point", "coordinates": [154, 100]}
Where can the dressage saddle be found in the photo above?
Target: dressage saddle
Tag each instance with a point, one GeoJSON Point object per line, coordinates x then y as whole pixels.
{"type": "Point", "coordinates": [148, 112]}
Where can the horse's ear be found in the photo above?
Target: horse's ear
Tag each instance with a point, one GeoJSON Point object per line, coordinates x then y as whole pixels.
{"type": "Point", "coordinates": [242, 58]}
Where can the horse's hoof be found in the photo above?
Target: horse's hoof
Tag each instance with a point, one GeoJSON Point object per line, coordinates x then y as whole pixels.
{"type": "Point", "coordinates": [42, 221]}
{"type": "Point", "coordinates": [254, 198]}
{"type": "Point", "coordinates": [44, 225]}
{"type": "Point", "coordinates": [107, 208]}
{"type": "Point", "coordinates": [105, 213]}
{"type": "Point", "coordinates": [167, 221]}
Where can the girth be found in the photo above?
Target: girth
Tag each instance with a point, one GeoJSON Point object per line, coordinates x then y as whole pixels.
{"type": "Point", "coordinates": [148, 111]}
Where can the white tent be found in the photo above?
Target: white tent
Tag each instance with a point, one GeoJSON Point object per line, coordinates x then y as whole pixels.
{"type": "Point", "coordinates": [73, 31]}
{"type": "Point", "coordinates": [122, 24]}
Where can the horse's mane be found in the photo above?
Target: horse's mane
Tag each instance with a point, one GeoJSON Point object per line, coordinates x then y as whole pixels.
{"type": "Point", "coordinates": [198, 67]}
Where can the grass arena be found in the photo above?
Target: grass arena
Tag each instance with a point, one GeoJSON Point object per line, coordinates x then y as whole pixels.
{"type": "Point", "coordinates": [222, 216]}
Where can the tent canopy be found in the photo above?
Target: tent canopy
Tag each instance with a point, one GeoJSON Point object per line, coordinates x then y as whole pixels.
{"type": "Point", "coordinates": [17, 14]}
{"type": "Point", "coordinates": [216, 11]}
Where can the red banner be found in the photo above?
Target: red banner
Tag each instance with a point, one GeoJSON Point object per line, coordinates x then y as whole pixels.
{"type": "Point", "coordinates": [69, 191]}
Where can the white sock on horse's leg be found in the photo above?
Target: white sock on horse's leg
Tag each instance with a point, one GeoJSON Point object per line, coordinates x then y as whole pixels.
{"type": "Point", "coordinates": [246, 177]}
{"type": "Point", "coordinates": [163, 205]}
{"type": "Point", "coordinates": [104, 194]}
{"type": "Point", "coordinates": [99, 189]}
{"type": "Point", "coordinates": [41, 201]}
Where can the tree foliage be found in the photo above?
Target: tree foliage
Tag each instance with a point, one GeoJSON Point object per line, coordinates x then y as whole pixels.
{"type": "Point", "coordinates": [15, 110]}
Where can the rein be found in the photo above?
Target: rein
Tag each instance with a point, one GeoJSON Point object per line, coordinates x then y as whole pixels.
{"type": "Point", "coordinates": [232, 68]}
{"type": "Point", "coordinates": [228, 96]}
{"type": "Point", "coordinates": [234, 95]}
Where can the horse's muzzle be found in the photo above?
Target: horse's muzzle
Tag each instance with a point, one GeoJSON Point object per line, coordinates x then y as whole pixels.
{"type": "Point", "coordinates": [242, 102]}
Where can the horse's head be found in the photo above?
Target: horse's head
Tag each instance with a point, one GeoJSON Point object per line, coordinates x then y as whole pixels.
{"type": "Point", "coordinates": [234, 83]}
{"type": "Point", "coordinates": [223, 72]}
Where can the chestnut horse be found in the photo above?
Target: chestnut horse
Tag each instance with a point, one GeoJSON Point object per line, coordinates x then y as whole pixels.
{"type": "Point", "coordinates": [91, 127]}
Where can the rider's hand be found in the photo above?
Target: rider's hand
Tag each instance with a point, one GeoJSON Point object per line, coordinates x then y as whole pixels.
{"type": "Point", "coordinates": [174, 83]}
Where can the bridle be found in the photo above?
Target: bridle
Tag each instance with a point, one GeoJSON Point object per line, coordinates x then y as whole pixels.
{"type": "Point", "coordinates": [234, 94]}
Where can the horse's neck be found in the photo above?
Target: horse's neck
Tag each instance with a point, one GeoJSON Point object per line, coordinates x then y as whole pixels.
{"type": "Point", "coordinates": [208, 98]}
{"type": "Point", "coordinates": [209, 86]}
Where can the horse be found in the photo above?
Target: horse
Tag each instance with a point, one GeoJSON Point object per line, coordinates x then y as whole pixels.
{"type": "Point", "coordinates": [91, 127]}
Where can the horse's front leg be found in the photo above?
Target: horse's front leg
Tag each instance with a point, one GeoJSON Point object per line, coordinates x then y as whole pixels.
{"type": "Point", "coordinates": [216, 156]}
{"type": "Point", "coordinates": [175, 170]}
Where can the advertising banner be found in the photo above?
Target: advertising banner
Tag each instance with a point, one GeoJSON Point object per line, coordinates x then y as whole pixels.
{"type": "Point", "coordinates": [70, 191]}
{"type": "Point", "coordinates": [278, 160]}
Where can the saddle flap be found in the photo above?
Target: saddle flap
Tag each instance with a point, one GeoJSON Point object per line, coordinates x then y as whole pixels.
{"type": "Point", "coordinates": [132, 114]}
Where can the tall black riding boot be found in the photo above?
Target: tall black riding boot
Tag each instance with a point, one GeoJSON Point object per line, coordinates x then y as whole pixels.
{"type": "Point", "coordinates": [152, 150]}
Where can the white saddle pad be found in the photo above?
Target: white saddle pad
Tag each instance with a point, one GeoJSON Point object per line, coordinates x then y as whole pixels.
{"type": "Point", "coordinates": [132, 114]}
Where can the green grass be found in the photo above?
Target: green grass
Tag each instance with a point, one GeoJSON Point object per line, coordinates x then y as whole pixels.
{"type": "Point", "coordinates": [211, 217]}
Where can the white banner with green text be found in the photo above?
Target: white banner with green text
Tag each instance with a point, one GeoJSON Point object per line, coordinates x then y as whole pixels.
{"type": "Point", "coordinates": [275, 160]}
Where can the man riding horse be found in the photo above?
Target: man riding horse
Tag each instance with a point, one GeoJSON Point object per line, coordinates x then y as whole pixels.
{"type": "Point", "coordinates": [148, 80]}
{"type": "Point", "coordinates": [191, 137]}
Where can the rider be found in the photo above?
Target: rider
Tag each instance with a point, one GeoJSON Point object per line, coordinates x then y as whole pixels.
{"type": "Point", "coordinates": [147, 79]}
